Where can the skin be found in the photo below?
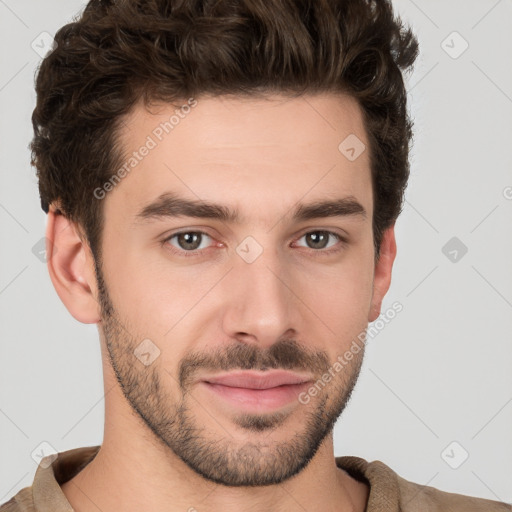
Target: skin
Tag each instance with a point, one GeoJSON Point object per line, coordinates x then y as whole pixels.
{"type": "Point", "coordinates": [170, 444]}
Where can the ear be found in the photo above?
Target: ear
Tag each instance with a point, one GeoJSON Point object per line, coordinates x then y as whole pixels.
{"type": "Point", "coordinates": [382, 275]}
{"type": "Point", "coordinates": [71, 267]}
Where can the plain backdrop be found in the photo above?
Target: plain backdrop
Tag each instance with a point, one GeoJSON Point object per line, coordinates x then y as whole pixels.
{"type": "Point", "coordinates": [434, 399]}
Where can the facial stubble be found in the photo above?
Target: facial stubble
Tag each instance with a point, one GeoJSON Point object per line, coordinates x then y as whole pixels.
{"type": "Point", "coordinates": [214, 454]}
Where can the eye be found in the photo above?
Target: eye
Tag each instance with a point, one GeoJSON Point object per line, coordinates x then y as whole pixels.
{"type": "Point", "coordinates": [319, 240]}
{"type": "Point", "coordinates": [187, 241]}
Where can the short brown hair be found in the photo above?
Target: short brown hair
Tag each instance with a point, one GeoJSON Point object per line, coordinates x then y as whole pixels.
{"type": "Point", "coordinates": [118, 52]}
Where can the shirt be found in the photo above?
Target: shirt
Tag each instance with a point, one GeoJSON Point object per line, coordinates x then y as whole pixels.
{"type": "Point", "coordinates": [388, 491]}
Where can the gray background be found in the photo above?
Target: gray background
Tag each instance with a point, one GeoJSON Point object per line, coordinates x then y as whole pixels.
{"type": "Point", "coordinates": [438, 373]}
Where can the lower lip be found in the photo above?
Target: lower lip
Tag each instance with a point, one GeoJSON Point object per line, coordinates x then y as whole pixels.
{"type": "Point", "coordinates": [258, 399]}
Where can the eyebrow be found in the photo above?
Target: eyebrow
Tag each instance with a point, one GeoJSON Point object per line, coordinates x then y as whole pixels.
{"type": "Point", "coordinates": [169, 205]}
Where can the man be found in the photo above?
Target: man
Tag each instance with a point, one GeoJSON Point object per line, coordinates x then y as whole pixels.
{"type": "Point", "coordinates": [222, 182]}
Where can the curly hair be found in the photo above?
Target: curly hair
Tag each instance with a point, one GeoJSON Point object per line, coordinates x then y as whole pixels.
{"type": "Point", "coordinates": [118, 52]}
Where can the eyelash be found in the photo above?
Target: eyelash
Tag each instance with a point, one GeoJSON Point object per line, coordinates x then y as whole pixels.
{"type": "Point", "coordinates": [197, 252]}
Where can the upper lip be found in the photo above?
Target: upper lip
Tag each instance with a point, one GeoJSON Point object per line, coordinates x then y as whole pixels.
{"type": "Point", "coordinates": [257, 380]}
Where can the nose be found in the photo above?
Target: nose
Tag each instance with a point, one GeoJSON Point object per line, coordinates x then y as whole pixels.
{"type": "Point", "coordinates": [262, 307]}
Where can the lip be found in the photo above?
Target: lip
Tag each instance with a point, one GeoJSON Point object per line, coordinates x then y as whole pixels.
{"type": "Point", "coordinates": [258, 380]}
{"type": "Point", "coordinates": [256, 392]}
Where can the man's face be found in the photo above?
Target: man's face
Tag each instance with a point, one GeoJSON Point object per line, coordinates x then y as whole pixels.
{"type": "Point", "coordinates": [268, 291]}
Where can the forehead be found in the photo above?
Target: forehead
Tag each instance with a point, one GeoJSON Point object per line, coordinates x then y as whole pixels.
{"type": "Point", "coordinates": [236, 121]}
{"type": "Point", "coordinates": [236, 149]}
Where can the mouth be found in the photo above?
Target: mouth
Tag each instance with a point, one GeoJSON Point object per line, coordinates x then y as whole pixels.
{"type": "Point", "coordinates": [257, 391]}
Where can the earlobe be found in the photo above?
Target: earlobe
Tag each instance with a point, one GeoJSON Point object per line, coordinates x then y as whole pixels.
{"type": "Point", "coordinates": [383, 268]}
{"type": "Point", "coordinates": [71, 268]}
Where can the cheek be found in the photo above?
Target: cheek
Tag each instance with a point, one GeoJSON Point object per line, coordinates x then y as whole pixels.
{"type": "Point", "coordinates": [342, 306]}
{"type": "Point", "coordinates": [136, 292]}
{"type": "Point", "coordinates": [164, 301]}
{"type": "Point", "coordinates": [341, 295]}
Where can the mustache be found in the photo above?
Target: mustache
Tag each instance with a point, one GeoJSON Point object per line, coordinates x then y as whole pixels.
{"type": "Point", "coordinates": [285, 354]}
